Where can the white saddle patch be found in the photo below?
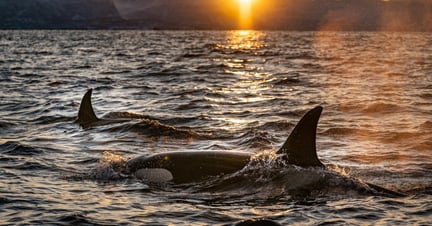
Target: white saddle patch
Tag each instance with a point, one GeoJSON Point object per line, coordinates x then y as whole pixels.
{"type": "Point", "coordinates": [157, 175]}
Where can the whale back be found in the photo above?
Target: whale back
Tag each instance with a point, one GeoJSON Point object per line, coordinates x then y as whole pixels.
{"type": "Point", "coordinates": [190, 166]}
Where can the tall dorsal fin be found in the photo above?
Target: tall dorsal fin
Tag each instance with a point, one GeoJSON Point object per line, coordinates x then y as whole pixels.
{"type": "Point", "coordinates": [86, 114]}
{"type": "Point", "coordinates": [300, 147]}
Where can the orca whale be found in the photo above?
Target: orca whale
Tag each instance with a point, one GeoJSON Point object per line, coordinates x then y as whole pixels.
{"type": "Point", "coordinates": [139, 123]}
{"type": "Point", "coordinates": [195, 166]}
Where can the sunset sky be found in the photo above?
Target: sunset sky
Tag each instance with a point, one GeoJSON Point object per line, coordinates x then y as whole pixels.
{"type": "Point", "coordinates": [240, 10]}
{"type": "Point", "coordinates": [250, 14]}
{"type": "Point", "coordinates": [245, 13]}
{"type": "Point", "coordinates": [415, 15]}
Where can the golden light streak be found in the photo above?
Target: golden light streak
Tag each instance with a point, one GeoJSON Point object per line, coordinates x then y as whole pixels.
{"type": "Point", "coordinates": [245, 14]}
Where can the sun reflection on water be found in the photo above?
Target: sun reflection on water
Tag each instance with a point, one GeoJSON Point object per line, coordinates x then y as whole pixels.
{"type": "Point", "coordinates": [243, 65]}
{"type": "Point", "coordinates": [244, 40]}
{"type": "Point", "coordinates": [248, 69]}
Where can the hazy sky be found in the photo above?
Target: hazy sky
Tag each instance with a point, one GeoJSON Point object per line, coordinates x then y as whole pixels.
{"type": "Point", "coordinates": [127, 8]}
{"type": "Point", "coordinates": [132, 8]}
{"type": "Point", "coordinates": [392, 14]}
{"type": "Point", "coordinates": [221, 14]}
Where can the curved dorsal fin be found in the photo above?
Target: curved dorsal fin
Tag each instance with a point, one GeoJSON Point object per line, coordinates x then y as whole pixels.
{"type": "Point", "coordinates": [300, 147]}
{"type": "Point", "coordinates": [86, 114]}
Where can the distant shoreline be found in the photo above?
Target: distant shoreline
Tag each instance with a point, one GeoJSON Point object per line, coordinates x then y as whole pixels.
{"type": "Point", "coordinates": [204, 30]}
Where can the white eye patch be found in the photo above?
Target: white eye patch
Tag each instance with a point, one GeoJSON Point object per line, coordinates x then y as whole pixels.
{"type": "Point", "coordinates": [156, 175]}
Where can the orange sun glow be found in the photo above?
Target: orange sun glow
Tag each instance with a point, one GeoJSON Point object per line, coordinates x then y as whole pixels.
{"type": "Point", "coordinates": [245, 7]}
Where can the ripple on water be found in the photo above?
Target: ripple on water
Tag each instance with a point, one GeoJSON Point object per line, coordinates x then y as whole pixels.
{"type": "Point", "coordinates": [244, 98]}
{"type": "Point", "coordinates": [16, 148]}
{"type": "Point", "coordinates": [51, 119]}
{"type": "Point", "coordinates": [156, 129]}
{"type": "Point", "coordinates": [30, 166]}
{"type": "Point", "coordinates": [426, 125]}
{"type": "Point", "coordinates": [382, 108]}
{"type": "Point", "coordinates": [255, 139]}
{"type": "Point", "coordinates": [74, 219]}
{"type": "Point", "coordinates": [6, 200]}
{"type": "Point", "coordinates": [337, 131]}
{"type": "Point", "coordinates": [5, 125]}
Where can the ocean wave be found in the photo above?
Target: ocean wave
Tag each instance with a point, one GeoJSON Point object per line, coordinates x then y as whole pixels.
{"type": "Point", "coordinates": [400, 137]}
{"type": "Point", "coordinates": [288, 81]}
{"type": "Point", "coordinates": [336, 131]}
{"type": "Point", "coordinates": [424, 145]}
{"type": "Point", "coordinates": [382, 108]}
{"type": "Point", "coordinates": [427, 96]}
{"type": "Point", "coordinates": [30, 165]}
{"type": "Point", "coordinates": [50, 119]}
{"type": "Point", "coordinates": [73, 219]}
{"type": "Point", "coordinates": [193, 121]}
{"type": "Point", "coordinates": [156, 129]}
{"type": "Point", "coordinates": [276, 126]}
{"type": "Point", "coordinates": [255, 139]}
{"type": "Point", "coordinates": [211, 67]}
{"type": "Point", "coordinates": [194, 104]}
{"type": "Point", "coordinates": [10, 200]}
{"type": "Point", "coordinates": [426, 125]}
{"type": "Point", "coordinates": [6, 125]}
{"type": "Point", "coordinates": [194, 55]}
{"type": "Point", "coordinates": [16, 148]}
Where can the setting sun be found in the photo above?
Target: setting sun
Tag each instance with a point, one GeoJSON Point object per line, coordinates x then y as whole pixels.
{"type": "Point", "coordinates": [245, 2]}
{"type": "Point", "coordinates": [245, 7]}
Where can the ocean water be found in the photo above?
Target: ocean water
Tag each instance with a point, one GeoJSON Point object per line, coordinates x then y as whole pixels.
{"type": "Point", "coordinates": [214, 90]}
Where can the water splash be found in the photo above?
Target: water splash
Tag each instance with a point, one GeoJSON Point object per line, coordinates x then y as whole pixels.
{"type": "Point", "coordinates": [110, 167]}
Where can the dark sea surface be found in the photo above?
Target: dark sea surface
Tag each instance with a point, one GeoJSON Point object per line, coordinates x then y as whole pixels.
{"type": "Point", "coordinates": [225, 90]}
